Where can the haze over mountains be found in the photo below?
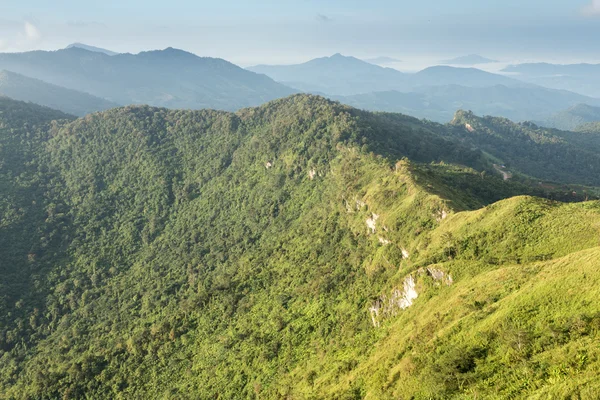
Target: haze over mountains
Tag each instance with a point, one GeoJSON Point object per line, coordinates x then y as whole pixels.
{"type": "Point", "coordinates": [581, 78]}
{"type": "Point", "coordinates": [70, 101]}
{"type": "Point", "coordinates": [344, 75]}
{"type": "Point", "coordinates": [92, 48]}
{"type": "Point", "coordinates": [336, 75]}
{"type": "Point", "coordinates": [168, 78]}
{"type": "Point", "coordinates": [177, 79]}
{"type": "Point", "coordinates": [438, 103]}
{"type": "Point", "coordinates": [383, 60]}
{"type": "Point", "coordinates": [434, 93]}
{"type": "Point", "coordinates": [471, 59]}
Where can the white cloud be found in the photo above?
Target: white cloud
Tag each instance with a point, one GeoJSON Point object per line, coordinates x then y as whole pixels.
{"type": "Point", "coordinates": [592, 9]}
{"type": "Point", "coordinates": [19, 35]}
{"type": "Point", "coordinates": [31, 31]}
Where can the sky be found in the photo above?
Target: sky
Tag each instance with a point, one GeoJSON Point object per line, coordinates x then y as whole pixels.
{"type": "Point", "coordinates": [250, 32]}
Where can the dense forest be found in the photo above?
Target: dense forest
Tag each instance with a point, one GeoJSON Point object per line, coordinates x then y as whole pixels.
{"type": "Point", "coordinates": [574, 117]}
{"type": "Point", "coordinates": [301, 249]}
{"type": "Point", "coordinates": [535, 151]}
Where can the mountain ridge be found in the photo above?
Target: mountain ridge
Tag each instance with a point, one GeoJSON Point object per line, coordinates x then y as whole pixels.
{"type": "Point", "coordinates": [336, 74]}
{"type": "Point", "coordinates": [439, 103]}
{"type": "Point", "coordinates": [20, 87]}
{"type": "Point", "coordinates": [175, 79]}
{"type": "Point", "coordinates": [581, 78]}
{"type": "Point", "coordinates": [92, 48]}
{"type": "Point", "coordinates": [574, 117]}
{"type": "Point", "coordinates": [340, 75]}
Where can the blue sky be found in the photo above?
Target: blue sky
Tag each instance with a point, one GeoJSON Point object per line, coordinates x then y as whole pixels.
{"type": "Point", "coordinates": [249, 32]}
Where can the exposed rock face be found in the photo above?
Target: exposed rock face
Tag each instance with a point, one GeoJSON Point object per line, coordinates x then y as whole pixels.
{"type": "Point", "coordinates": [360, 204]}
{"type": "Point", "coordinates": [469, 128]}
{"type": "Point", "coordinates": [268, 165]}
{"type": "Point", "coordinates": [372, 222]}
{"type": "Point", "coordinates": [405, 254]}
{"type": "Point", "coordinates": [383, 241]}
{"type": "Point", "coordinates": [311, 174]}
{"type": "Point", "coordinates": [441, 215]}
{"type": "Point", "coordinates": [440, 276]}
{"type": "Point", "coordinates": [351, 206]}
{"type": "Point", "coordinates": [400, 299]}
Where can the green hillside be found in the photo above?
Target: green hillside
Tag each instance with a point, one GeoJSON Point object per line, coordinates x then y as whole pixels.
{"type": "Point", "coordinates": [535, 151]}
{"type": "Point", "coordinates": [153, 253]}
{"type": "Point", "coordinates": [591, 127]}
{"type": "Point", "coordinates": [574, 117]}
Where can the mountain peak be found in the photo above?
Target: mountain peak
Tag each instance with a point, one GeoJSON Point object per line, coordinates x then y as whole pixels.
{"type": "Point", "coordinates": [169, 51]}
{"type": "Point", "coordinates": [461, 116]}
{"type": "Point", "coordinates": [91, 48]}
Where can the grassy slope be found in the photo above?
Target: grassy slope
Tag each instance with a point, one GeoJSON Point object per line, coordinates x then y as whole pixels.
{"type": "Point", "coordinates": [517, 331]}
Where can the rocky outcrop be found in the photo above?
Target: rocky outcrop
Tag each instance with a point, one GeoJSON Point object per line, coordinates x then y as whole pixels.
{"type": "Point", "coordinates": [440, 276]}
{"type": "Point", "coordinates": [383, 241]}
{"type": "Point", "coordinates": [372, 222]}
{"type": "Point", "coordinates": [399, 299]}
{"type": "Point", "coordinates": [402, 298]}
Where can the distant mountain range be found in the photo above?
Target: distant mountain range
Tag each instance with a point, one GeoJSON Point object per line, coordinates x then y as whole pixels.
{"type": "Point", "coordinates": [580, 78]}
{"type": "Point", "coordinates": [338, 74]}
{"type": "Point", "coordinates": [92, 48]}
{"type": "Point", "coordinates": [439, 103]}
{"type": "Point", "coordinates": [83, 79]}
{"type": "Point", "coordinates": [470, 77]}
{"type": "Point", "coordinates": [471, 59]}
{"type": "Point", "coordinates": [343, 75]}
{"type": "Point", "coordinates": [70, 101]}
{"type": "Point", "coordinates": [434, 93]}
{"type": "Point", "coordinates": [168, 78]}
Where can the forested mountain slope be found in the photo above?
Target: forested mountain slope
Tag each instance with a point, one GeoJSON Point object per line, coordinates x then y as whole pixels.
{"type": "Point", "coordinates": [574, 117]}
{"type": "Point", "coordinates": [590, 127]}
{"type": "Point", "coordinates": [205, 254]}
{"type": "Point", "coordinates": [539, 152]}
